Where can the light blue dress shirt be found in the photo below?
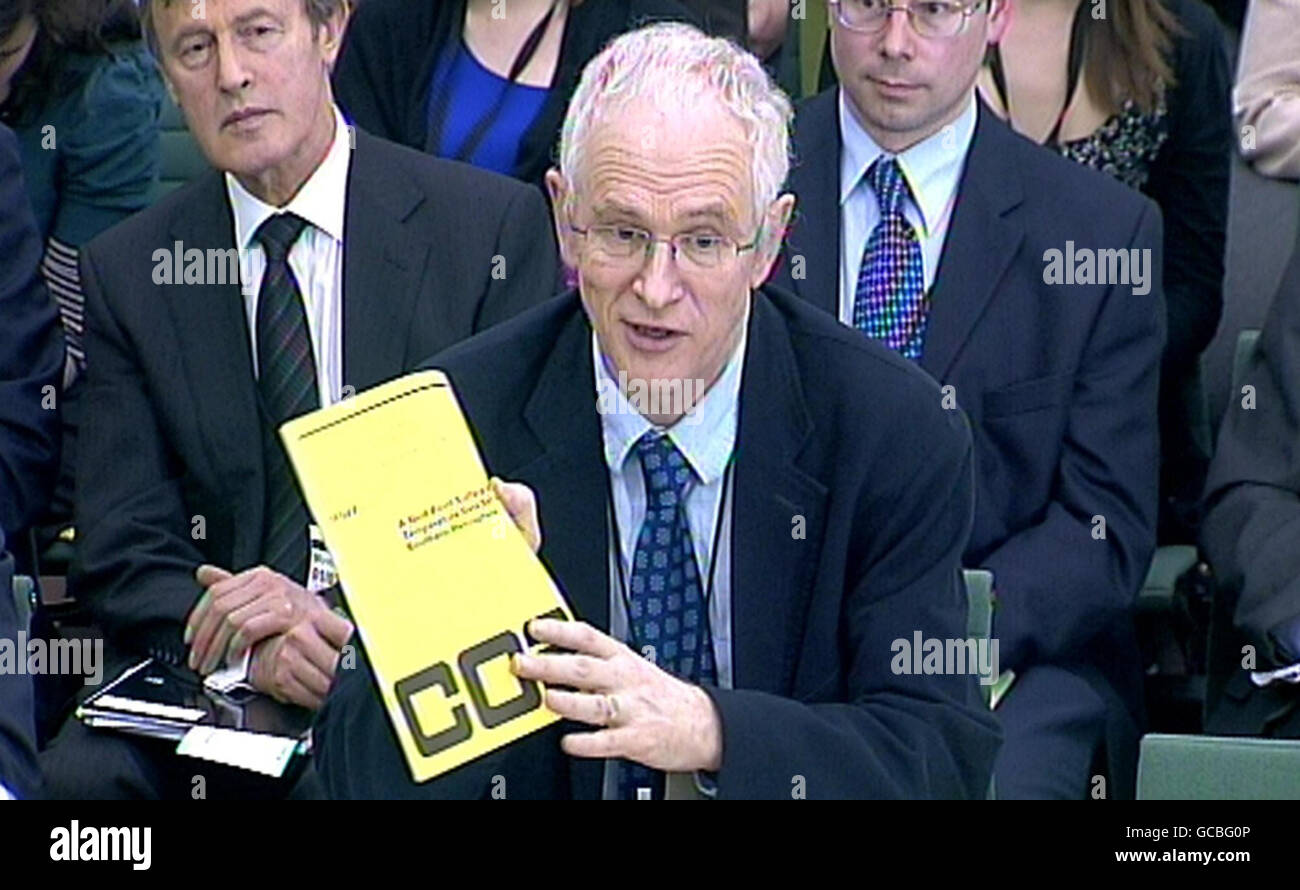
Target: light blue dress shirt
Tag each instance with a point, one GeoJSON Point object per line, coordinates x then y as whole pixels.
{"type": "Point", "coordinates": [932, 168]}
{"type": "Point", "coordinates": [706, 438]}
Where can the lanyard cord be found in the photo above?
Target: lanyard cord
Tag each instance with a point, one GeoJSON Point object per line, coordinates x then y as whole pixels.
{"type": "Point", "coordinates": [727, 479]}
{"type": "Point", "coordinates": [442, 101]}
{"type": "Point", "coordinates": [1074, 67]}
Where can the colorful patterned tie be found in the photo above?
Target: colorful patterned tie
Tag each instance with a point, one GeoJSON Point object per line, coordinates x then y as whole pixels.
{"type": "Point", "coordinates": [286, 380]}
{"type": "Point", "coordinates": [890, 303]}
{"type": "Point", "coordinates": [668, 609]}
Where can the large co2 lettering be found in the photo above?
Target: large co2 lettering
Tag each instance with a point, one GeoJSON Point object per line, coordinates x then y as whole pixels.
{"type": "Point", "coordinates": [468, 663]}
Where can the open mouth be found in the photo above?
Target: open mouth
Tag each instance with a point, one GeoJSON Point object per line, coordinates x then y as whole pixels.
{"type": "Point", "coordinates": [649, 336]}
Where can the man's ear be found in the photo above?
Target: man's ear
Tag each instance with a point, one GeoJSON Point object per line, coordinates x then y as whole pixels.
{"type": "Point", "coordinates": [331, 34]}
{"type": "Point", "coordinates": [561, 197]}
{"type": "Point", "coordinates": [999, 19]}
{"type": "Point", "coordinates": [768, 249]}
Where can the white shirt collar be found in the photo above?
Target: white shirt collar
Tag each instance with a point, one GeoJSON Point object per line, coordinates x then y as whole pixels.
{"type": "Point", "coordinates": [321, 200]}
{"type": "Point", "coordinates": [932, 167]}
{"type": "Point", "coordinates": [706, 437]}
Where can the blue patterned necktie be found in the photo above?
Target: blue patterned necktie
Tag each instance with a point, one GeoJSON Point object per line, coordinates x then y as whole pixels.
{"type": "Point", "coordinates": [667, 608]}
{"type": "Point", "coordinates": [890, 302]}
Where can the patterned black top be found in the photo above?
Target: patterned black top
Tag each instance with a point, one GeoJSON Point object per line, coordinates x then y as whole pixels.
{"type": "Point", "coordinates": [1125, 146]}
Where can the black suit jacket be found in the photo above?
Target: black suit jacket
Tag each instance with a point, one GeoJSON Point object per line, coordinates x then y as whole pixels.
{"type": "Point", "coordinates": [170, 471]}
{"type": "Point", "coordinates": [886, 495]}
{"type": "Point", "coordinates": [1252, 519]}
{"type": "Point", "coordinates": [391, 47]}
{"type": "Point", "coordinates": [18, 770]}
{"type": "Point", "coordinates": [1059, 382]}
{"type": "Point", "coordinates": [31, 356]}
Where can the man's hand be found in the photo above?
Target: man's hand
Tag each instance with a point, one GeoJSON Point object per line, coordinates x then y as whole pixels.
{"type": "Point", "coordinates": [521, 504]}
{"type": "Point", "coordinates": [647, 714]}
{"type": "Point", "coordinates": [298, 665]}
{"type": "Point", "coordinates": [238, 611]}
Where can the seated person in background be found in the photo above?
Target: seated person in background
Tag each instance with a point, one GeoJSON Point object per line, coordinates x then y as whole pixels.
{"type": "Point", "coordinates": [1267, 98]}
{"type": "Point", "coordinates": [82, 94]}
{"type": "Point", "coordinates": [31, 358]}
{"type": "Point", "coordinates": [1143, 95]}
{"type": "Point", "coordinates": [1252, 521]}
{"type": "Point", "coordinates": [79, 89]}
{"type": "Point", "coordinates": [477, 80]}
{"type": "Point", "coordinates": [927, 223]}
{"type": "Point", "coordinates": [19, 776]}
{"type": "Point", "coordinates": [799, 562]}
{"type": "Point", "coordinates": [315, 262]}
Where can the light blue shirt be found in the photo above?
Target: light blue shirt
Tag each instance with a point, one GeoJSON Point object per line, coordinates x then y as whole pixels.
{"type": "Point", "coordinates": [706, 438]}
{"type": "Point", "coordinates": [932, 168]}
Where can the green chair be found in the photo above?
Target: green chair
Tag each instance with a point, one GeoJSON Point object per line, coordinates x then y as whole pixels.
{"type": "Point", "coordinates": [1246, 340]}
{"type": "Point", "coordinates": [24, 593]}
{"type": "Point", "coordinates": [979, 613]}
{"type": "Point", "coordinates": [1197, 767]}
{"type": "Point", "coordinates": [181, 159]}
{"type": "Point", "coordinates": [979, 625]}
{"type": "Point", "coordinates": [1168, 564]}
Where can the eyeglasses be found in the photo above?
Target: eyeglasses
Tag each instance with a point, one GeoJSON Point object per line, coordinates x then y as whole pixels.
{"type": "Point", "coordinates": [929, 18]}
{"type": "Point", "coordinates": [628, 245]}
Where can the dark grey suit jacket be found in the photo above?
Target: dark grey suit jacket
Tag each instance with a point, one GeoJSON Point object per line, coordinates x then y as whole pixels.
{"type": "Point", "coordinates": [1060, 384]}
{"type": "Point", "coordinates": [31, 356]}
{"type": "Point", "coordinates": [1251, 528]}
{"type": "Point", "coordinates": [171, 428]}
{"type": "Point", "coordinates": [886, 495]}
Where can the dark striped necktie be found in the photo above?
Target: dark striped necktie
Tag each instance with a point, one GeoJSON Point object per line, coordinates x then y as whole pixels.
{"type": "Point", "coordinates": [286, 381]}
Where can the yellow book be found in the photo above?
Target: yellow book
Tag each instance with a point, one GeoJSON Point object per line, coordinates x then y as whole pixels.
{"type": "Point", "coordinates": [440, 582]}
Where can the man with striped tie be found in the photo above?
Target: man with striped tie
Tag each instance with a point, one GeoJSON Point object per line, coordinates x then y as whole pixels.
{"type": "Point", "coordinates": [314, 261]}
{"type": "Point", "coordinates": [927, 224]}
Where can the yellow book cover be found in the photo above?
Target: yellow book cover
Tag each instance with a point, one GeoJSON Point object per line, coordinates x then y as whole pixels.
{"type": "Point", "coordinates": [440, 582]}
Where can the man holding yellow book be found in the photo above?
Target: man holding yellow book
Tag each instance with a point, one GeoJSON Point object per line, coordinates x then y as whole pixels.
{"type": "Point", "coordinates": [741, 550]}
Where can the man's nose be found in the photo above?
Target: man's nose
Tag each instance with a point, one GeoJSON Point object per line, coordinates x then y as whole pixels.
{"type": "Point", "coordinates": [232, 76]}
{"type": "Point", "coordinates": [896, 41]}
{"type": "Point", "coordinates": [659, 278]}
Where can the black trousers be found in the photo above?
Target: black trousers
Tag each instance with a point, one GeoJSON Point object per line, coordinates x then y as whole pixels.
{"type": "Point", "coordinates": [1059, 733]}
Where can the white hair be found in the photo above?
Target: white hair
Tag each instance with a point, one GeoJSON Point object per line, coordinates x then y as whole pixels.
{"type": "Point", "coordinates": [675, 66]}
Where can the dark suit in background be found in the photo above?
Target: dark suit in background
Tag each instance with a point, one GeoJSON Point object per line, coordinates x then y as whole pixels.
{"type": "Point", "coordinates": [381, 80]}
{"type": "Point", "coordinates": [1060, 385]}
{"type": "Point", "coordinates": [887, 500]}
{"type": "Point", "coordinates": [18, 773]}
{"type": "Point", "coordinates": [172, 430]}
{"type": "Point", "coordinates": [31, 357]}
{"type": "Point", "coordinates": [1250, 531]}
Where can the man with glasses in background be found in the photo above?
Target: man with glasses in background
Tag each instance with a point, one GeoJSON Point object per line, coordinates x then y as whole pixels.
{"type": "Point", "coordinates": [1029, 287]}
{"type": "Point", "coordinates": [744, 558]}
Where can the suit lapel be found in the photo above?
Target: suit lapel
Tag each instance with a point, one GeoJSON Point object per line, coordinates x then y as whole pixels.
{"type": "Point", "coordinates": [981, 243]}
{"type": "Point", "coordinates": [772, 566]}
{"type": "Point", "coordinates": [212, 328]}
{"type": "Point", "coordinates": [382, 262]}
{"type": "Point", "coordinates": [815, 179]}
{"type": "Point", "coordinates": [570, 480]}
